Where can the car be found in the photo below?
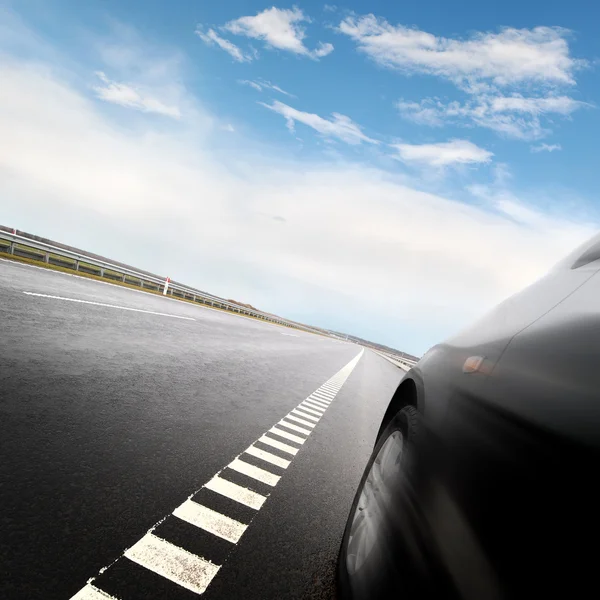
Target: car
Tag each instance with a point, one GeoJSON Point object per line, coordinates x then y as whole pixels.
{"type": "Point", "coordinates": [482, 483]}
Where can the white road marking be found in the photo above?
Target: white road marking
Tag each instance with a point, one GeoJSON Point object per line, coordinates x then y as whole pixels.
{"type": "Point", "coordinates": [195, 572]}
{"type": "Point", "coordinates": [331, 388]}
{"type": "Point", "coordinates": [324, 395]}
{"type": "Point", "coordinates": [310, 406]}
{"type": "Point", "coordinates": [210, 520]}
{"type": "Point", "coordinates": [286, 435]}
{"type": "Point", "coordinates": [304, 415]}
{"type": "Point", "coordinates": [236, 492]}
{"type": "Point", "coordinates": [148, 312]}
{"type": "Point", "coordinates": [140, 291]}
{"type": "Point", "coordinates": [290, 334]}
{"type": "Point", "coordinates": [297, 420]}
{"type": "Point", "coordinates": [174, 563]}
{"type": "Point", "coordinates": [89, 592]}
{"type": "Point", "coordinates": [294, 427]}
{"type": "Point", "coordinates": [310, 410]}
{"type": "Point", "coordinates": [279, 445]}
{"type": "Point", "coordinates": [255, 472]}
{"type": "Point", "coordinates": [268, 457]}
{"type": "Point", "coordinates": [319, 402]}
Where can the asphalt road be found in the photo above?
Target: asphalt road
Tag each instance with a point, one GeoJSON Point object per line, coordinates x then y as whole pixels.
{"type": "Point", "coordinates": [111, 418]}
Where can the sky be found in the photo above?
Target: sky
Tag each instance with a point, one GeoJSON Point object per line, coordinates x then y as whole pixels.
{"type": "Point", "coordinates": [389, 170]}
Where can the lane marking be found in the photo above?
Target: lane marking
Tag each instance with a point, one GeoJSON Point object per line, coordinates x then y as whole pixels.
{"type": "Point", "coordinates": [89, 592]}
{"type": "Point", "coordinates": [297, 420]}
{"type": "Point", "coordinates": [323, 395]}
{"type": "Point", "coordinates": [268, 457]}
{"type": "Point", "coordinates": [287, 436]}
{"type": "Point", "coordinates": [140, 310]}
{"type": "Point", "coordinates": [210, 520]}
{"type": "Point", "coordinates": [122, 287]}
{"type": "Point", "coordinates": [310, 407]}
{"type": "Point", "coordinates": [290, 334]}
{"type": "Point", "coordinates": [305, 416]}
{"type": "Point", "coordinates": [236, 492]}
{"type": "Point", "coordinates": [255, 472]}
{"type": "Point", "coordinates": [279, 445]}
{"type": "Point", "coordinates": [294, 427]}
{"type": "Point", "coordinates": [176, 564]}
{"type": "Point", "coordinates": [318, 402]}
{"type": "Point", "coordinates": [195, 572]}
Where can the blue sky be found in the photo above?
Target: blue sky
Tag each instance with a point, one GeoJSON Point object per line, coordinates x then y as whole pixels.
{"type": "Point", "coordinates": [387, 169]}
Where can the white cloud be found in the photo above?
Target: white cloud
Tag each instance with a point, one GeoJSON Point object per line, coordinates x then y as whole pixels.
{"type": "Point", "coordinates": [133, 97]}
{"type": "Point", "coordinates": [212, 38]}
{"type": "Point", "coordinates": [263, 84]}
{"type": "Point", "coordinates": [279, 28]}
{"type": "Point", "coordinates": [340, 126]}
{"type": "Point", "coordinates": [329, 8]}
{"type": "Point", "coordinates": [546, 148]}
{"type": "Point", "coordinates": [454, 152]}
{"type": "Point", "coordinates": [514, 116]}
{"type": "Point", "coordinates": [359, 250]}
{"type": "Point", "coordinates": [512, 56]}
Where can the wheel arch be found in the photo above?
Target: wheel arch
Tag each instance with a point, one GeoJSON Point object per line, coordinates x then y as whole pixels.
{"type": "Point", "coordinates": [408, 393]}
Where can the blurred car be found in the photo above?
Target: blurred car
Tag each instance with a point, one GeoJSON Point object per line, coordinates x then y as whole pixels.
{"type": "Point", "coordinates": [483, 479]}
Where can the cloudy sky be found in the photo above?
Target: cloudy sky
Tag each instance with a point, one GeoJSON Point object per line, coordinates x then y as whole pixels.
{"type": "Point", "coordinates": [391, 170]}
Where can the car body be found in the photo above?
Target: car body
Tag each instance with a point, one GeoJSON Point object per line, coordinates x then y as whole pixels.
{"type": "Point", "coordinates": [498, 498]}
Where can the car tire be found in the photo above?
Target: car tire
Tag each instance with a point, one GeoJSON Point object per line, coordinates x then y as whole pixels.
{"type": "Point", "coordinates": [407, 422]}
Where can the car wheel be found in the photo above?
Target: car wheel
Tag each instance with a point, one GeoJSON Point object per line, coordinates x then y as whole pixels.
{"type": "Point", "coordinates": [365, 550]}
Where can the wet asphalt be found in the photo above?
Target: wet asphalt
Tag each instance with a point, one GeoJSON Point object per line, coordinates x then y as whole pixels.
{"type": "Point", "coordinates": [109, 419]}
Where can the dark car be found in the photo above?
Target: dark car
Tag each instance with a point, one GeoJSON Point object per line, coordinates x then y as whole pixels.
{"type": "Point", "coordinates": [484, 479]}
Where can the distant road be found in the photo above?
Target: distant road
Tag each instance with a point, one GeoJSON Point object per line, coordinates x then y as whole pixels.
{"type": "Point", "coordinates": [117, 406]}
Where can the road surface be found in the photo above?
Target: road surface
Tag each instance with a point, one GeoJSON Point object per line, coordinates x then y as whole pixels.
{"type": "Point", "coordinates": [123, 413]}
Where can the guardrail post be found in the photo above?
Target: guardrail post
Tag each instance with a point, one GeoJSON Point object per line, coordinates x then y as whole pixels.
{"type": "Point", "coordinates": [47, 257]}
{"type": "Point", "coordinates": [76, 265]}
{"type": "Point", "coordinates": [11, 248]}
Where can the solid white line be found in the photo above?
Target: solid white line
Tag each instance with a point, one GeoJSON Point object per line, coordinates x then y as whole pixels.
{"type": "Point", "coordinates": [90, 592]}
{"type": "Point", "coordinates": [310, 410]}
{"type": "Point", "coordinates": [174, 563]}
{"type": "Point", "coordinates": [148, 312]}
{"type": "Point", "coordinates": [279, 445]}
{"type": "Point", "coordinates": [302, 421]}
{"type": "Point", "coordinates": [286, 435]}
{"type": "Point", "coordinates": [255, 472]}
{"type": "Point", "coordinates": [268, 457]}
{"type": "Point", "coordinates": [235, 492]}
{"type": "Point", "coordinates": [210, 520]}
{"type": "Point", "coordinates": [305, 415]}
{"type": "Point", "coordinates": [294, 427]}
{"type": "Point", "coordinates": [312, 405]}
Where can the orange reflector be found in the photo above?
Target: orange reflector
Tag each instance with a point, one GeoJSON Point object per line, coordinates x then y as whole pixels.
{"type": "Point", "coordinates": [473, 364]}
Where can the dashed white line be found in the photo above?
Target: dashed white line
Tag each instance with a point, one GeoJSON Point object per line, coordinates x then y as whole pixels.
{"type": "Point", "coordinates": [236, 492]}
{"type": "Point", "coordinates": [148, 312]}
{"type": "Point", "coordinates": [89, 592]}
{"type": "Point", "coordinates": [301, 421]}
{"type": "Point", "coordinates": [309, 409]}
{"type": "Point", "coordinates": [294, 427]}
{"type": "Point", "coordinates": [195, 572]}
{"type": "Point", "coordinates": [255, 472]}
{"type": "Point", "coordinates": [312, 407]}
{"type": "Point", "coordinates": [268, 457]}
{"type": "Point", "coordinates": [287, 436]}
{"type": "Point", "coordinates": [305, 415]}
{"type": "Point", "coordinates": [184, 568]}
{"type": "Point", "coordinates": [279, 445]}
{"type": "Point", "coordinates": [210, 520]}
{"type": "Point", "coordinates": [318, 402]}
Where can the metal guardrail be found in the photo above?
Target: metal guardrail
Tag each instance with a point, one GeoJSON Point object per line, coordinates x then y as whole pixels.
{"type": "Point", "coordinates": [27, 248]}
